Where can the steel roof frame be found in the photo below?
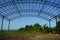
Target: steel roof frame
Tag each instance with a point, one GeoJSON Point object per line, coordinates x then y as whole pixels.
{"type": "Point", "coordinates": [17, 13]}
{"type": "Point", "coordinates": [13, 2]}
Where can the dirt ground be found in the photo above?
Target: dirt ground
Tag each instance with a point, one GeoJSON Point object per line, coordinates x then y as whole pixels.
{"type": "Point", "coordinates": [30, 37]}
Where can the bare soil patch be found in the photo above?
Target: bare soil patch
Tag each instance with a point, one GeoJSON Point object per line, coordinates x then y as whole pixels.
{"type": "Point", "coordinates": [30, 37]}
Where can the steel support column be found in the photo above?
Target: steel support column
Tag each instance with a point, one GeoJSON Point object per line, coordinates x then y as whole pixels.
{"type": "Point", "coordinates": [50, 25]}
{"type": "Point", "coordinates": [56, 24]}
{"type": "Point", "coordinates": [56, 20]}
{"type": "Point", "coordinates": [9, 25]}
{"type": "Point", "coordinates": [2, 24]}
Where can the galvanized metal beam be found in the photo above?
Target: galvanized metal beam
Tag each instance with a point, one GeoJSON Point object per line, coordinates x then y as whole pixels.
{"type": "Point", "coordinates": [56, 20]}
{"type": "Point", "coordinates": [17, 7]}
{"type": "Point", "coordinates": [41, 8]}
{"type": "Point", "coordinates": [2, 24]}
{"type": "Point", "coordinates": [50, 25]}
{"type": "Point", "coordinates": [55, 16]}
{"type": "Point", "coordinates": [30, 16]}
{"type": "Point", "coordinates": [18, 1]}
{"type": "Point", "coordinates": [9, 26]}
{"type": "Point", "coordinates": [4, 16]}
{"type": "Point", "coordinates": [13, 2]}
{"type": "Point", "coordinates": [33, 10]}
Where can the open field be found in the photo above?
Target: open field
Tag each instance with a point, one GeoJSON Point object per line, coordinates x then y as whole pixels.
{"type": "Point", "coordinates": [30, 37]}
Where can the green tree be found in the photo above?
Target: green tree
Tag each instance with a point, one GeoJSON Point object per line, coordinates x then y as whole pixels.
{"type": "Point", "coordinates": [53, 30]}
{"type": "Point", "coordinates": [46, 29]}
{"type": "Point", "coordinates": [37, 27]}
{"type": "Point", "coordinates": [27, 28]}
{"type": "Point", "coordinates": [58, 27]}
{"type": "Point", "coordinates": [31, 28]}
{"type": "Point", "coordinates": [58, 18]}
{"type": "Point", "coordinates": [21, 29]}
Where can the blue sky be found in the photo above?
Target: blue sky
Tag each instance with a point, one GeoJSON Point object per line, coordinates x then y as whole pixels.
{"type": "Point", "coordinates": [21, 22]}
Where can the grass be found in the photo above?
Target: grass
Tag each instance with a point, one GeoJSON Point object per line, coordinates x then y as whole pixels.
{"type": "Point", "coordinates": [19, 32]}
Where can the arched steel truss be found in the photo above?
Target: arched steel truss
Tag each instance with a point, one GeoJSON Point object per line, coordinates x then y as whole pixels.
{"type": "Point", "coordinates": [12, 9]}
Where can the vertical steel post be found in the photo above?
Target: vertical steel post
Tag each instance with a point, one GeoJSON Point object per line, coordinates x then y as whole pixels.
{"type": "Point", "coordinates": [56, 24]}
{"type": "Point", "coordinates": [50, 25]}
{"type": "Point", "coordinates": [56, 20]}
{"type": "Point", "coordinates": [2, 24]}
{"type": "Point", "coordinates": [9, 25]}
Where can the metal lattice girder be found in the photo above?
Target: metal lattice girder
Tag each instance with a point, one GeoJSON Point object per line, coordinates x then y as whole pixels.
{"type": "Point", "coordinates": [15, 2]}
{"type": "Point", "coordinates": [55, 16]}
{"type": "Point", "coordinates": [4, 16]}
{"type": "Point", "coordinates": [32, 10]}
{"type": "Point", "coordinates": [18, 1]}
{"type": "Point", "coordinates": [45, 2]}
{"type": "Point", "coordinates": [24, 10]}
{"type": "Point", "coordinates": [11, 13]}
{"type": "Point", "coordinates": [47, 13]}
{"type": "Point", "coordinates": [41, 8]}
{"type": "Point", "coordinates": [30, 15]}
{"type": "Point", "coordinates": [44, 12]}
{"type": "Point", "coordinates": [17, 7]}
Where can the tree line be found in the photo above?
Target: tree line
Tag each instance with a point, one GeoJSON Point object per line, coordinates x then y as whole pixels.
{"type": "Point", "coordinates": [42, 29]}
{"type": "Point", "coordinates": [37, 28]}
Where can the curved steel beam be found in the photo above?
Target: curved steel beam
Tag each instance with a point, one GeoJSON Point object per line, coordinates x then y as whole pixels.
{"type": "Point", "coordinates": [30, 16]}
{"type": "Point", "coordinates": [4, 16]}
{"type": "Point", "coordinates": [19, 2]}
{"type": "Point", "coordinates": [55, 16]}
{"type": "Point", "coordinates": [36, 16]}
{"type": "Point", "coordinates": [32, 10]}
{"type": "Point", "coordinates": [44, 2]}
{"type": "Point", "coordinates": [17, 7]}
